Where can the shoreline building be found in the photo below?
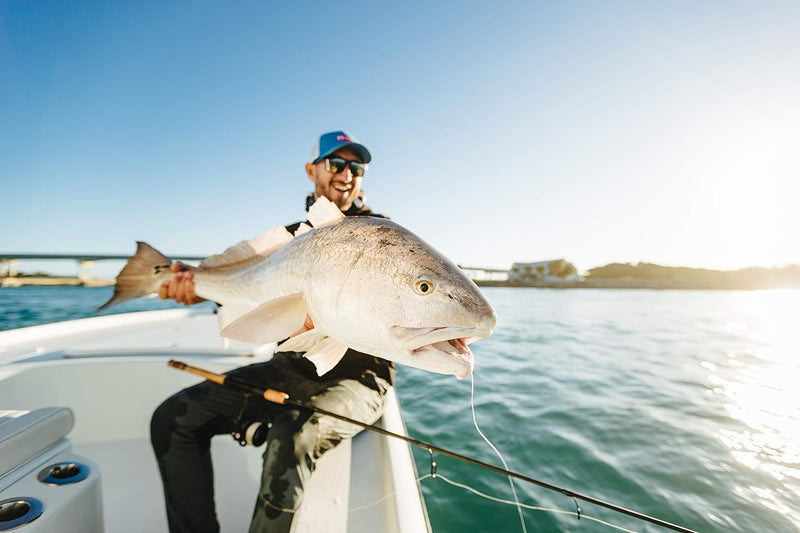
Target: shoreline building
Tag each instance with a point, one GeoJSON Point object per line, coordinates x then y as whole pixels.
{"type": "Point", "coordinates": [556, 270]}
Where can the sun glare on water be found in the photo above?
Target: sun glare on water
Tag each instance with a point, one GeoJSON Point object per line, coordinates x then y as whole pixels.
{"type": "Point", "coordinates": [759, 389]}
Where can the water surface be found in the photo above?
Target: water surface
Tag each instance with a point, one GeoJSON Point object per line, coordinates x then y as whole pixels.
{"type": "Point", "coordinates": [683, 405]}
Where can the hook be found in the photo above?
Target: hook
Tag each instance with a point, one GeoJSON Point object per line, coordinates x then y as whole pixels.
{"type": "Point", "coordinates": [433, 464]}
{"type": "Point", "coordinates": [577, 507]}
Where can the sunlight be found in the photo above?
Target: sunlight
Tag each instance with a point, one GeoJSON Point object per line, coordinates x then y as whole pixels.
{"type": "Point", "coordinates": [740, 199]}
{"type": "Point", "coordinates": [760, 390]}
{"type": "Point", "coordinates": [774, 323]}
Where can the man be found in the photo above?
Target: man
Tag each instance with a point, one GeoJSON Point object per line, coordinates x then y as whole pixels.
{"type": "Point", "coordinates": [182, 426]}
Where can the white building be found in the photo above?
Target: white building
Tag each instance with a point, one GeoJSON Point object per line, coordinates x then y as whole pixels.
{"type": "Point", "coordinates": [555, 270]}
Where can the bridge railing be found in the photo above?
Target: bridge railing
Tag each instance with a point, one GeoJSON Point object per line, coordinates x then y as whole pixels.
{"type": "Point", "coordinates": [9, 261]}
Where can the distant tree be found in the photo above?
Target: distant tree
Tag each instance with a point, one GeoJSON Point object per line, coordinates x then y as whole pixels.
{"type": "Point", "coordinates": [561, 269]}
{"type": "Point", "coordinates": [611, 271]}
{"type": "Point", "coordinates": [748, 278]}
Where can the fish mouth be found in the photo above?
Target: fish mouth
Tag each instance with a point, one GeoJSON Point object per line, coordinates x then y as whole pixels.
{"type": "Point", "coordinates": [451, 341]}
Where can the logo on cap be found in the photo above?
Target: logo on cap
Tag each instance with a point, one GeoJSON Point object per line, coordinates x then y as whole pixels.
{"type": "Point", "coordinates": [342, 138]}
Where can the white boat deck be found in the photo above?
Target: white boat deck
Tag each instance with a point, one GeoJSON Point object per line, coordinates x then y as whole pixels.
{"type": "Point", "coordinates": [111, 372]}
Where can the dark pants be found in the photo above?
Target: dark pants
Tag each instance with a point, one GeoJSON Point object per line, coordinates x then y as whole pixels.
{"type": "Point", "coordinates": [182, 427]}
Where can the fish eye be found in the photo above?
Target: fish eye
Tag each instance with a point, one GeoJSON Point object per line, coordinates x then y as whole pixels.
{"type": "Point", "coordinates": [423, 287]}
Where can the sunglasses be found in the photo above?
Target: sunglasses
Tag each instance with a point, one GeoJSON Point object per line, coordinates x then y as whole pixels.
{"type": "Point", "coordinates": [335, 165]}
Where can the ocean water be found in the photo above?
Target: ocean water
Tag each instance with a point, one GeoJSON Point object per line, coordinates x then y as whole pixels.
{"type": "Point", "coordinates": [683, 405]}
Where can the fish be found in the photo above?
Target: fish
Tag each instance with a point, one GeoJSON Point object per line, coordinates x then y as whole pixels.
{"type": "Point", "coordinates": [366, 283]}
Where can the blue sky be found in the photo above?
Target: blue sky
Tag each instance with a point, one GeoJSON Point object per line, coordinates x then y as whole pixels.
{"type": "Point", "coordinates": [517, 131]}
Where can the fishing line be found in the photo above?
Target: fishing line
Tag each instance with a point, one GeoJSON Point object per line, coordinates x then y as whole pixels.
{"type": "Point", "coordinates": [373, 504]}
{"type": "Point", "coordinates": [525, 505]}
{"type": "Point", "coordinates": [277, 508]}
{"type": "Point", "coordinates": [282, 398]}
{"type": "Point", "coordinates": [492, 446]}
{"type": "Point", "coordinates": [494, 499]}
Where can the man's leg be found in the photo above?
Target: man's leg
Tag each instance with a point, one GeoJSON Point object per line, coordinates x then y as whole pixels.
{"type": "Point", "coordinates": [181, 431]}
{"type": "Point", "coordinates": [298, 439]}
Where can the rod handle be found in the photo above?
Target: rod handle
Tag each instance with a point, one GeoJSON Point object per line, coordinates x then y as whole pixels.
{"type": "Point", "coordinates": [219, 379]}
{"type": "Point", "coordinates": [275, 396]}
{"type": "Point", "coordinates": [270, 395]}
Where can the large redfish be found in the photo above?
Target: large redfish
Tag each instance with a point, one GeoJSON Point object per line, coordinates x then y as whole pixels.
{"type": "Point", "coordinates": [366, 283]}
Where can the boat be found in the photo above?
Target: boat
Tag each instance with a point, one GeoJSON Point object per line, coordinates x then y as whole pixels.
{"type": "Point", "coordinates": [76, 399]}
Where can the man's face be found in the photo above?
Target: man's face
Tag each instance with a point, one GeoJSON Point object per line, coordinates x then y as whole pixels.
{"type": "Point", "coordinates": [341, 188]}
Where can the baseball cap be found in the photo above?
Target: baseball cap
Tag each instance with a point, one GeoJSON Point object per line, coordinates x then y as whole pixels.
{"type": "Point", "coordinates": [332, 141]}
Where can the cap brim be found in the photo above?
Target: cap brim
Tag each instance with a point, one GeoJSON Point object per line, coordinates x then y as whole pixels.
{"type": "Point", "coordinates": [360, 149]}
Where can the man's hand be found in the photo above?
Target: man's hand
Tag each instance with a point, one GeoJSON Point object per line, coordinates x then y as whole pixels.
{"type": "Point", "coordinates": [181, 287]}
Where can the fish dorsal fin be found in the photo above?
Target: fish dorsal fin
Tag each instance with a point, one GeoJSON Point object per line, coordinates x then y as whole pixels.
{"type": "Point", "coordinates": [325, 352]}
{"type": "Point", "coordinates": [271, 321]}
{"type": "Point", "coordinates": [264, 243]}
{"type": "Point", "coordinates": [324, 213]}
{"type": "Point", "coordinates": [301, 229]}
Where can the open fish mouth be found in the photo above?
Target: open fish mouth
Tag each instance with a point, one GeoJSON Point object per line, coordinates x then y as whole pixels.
{"type": "Point", "coordinates": [450, 341]}
{"type": "Point", "coordinates": [456, 349]}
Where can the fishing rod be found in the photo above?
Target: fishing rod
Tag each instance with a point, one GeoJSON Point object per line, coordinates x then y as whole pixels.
{"type": "Point", "coordinates": [282, 398]}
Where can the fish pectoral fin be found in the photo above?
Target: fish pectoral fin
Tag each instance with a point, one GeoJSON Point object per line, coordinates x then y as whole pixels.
{"type": "Point", "coordinates": [227, 313]}
{"type": "Point", "coordinates": [269, 322]}
{"type": "Point", "coordinates": [326, 355]}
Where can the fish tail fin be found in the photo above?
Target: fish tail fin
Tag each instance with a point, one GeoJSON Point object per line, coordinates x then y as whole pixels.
{"type": "Point", "coordinates": [140, 277]}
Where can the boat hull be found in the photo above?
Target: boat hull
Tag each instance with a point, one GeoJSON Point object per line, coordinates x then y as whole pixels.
{"type": "Point", "coordinates": [112, 372]}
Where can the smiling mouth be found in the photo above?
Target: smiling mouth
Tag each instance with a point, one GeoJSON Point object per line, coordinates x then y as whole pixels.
{"type": "Point", "coordinates": [342, 188]}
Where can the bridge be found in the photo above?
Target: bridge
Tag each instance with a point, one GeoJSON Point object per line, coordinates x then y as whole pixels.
{"type": "Point", "coordinates": [8, 262]}
{"type": "Point", "coordinates": [8, 265]}
{"type": "Point", "coordinates": [484, 274]}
